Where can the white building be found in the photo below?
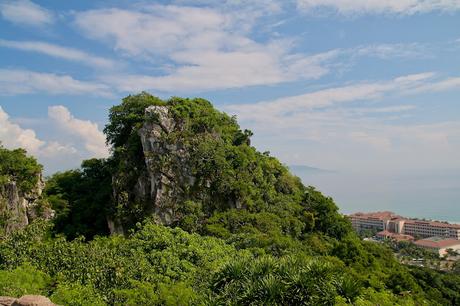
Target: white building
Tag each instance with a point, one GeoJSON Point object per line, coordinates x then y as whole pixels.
{"type": "Point", "coordinates": [371, 221]}
{"type": "Point", "coordinates": [388, 221]}
{"type": "Point", "coordinates": [439, 245]}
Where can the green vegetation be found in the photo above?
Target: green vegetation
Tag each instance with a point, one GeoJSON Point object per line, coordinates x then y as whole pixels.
{"type": "Point", "coordinates": [16, 166]}
{"type": "Point", "coordinates": [81, 199]}
{"type": "Point", "coordinates": [245, 232]}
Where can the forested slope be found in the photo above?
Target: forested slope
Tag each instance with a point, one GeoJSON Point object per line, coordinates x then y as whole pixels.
{"type": "Point", "coordinates": [202, 218]}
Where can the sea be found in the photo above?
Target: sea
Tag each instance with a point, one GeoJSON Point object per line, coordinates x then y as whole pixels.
{"type": "Point", "coordinates": [425, 195]}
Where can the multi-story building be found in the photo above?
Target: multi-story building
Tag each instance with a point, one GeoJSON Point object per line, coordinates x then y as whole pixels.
{"type": "Point", "coordinates": [388, 221]}
{"type": "Point", "coordinates": [427, 229]}
{"type": "Point", "coordinates": [377, 221]}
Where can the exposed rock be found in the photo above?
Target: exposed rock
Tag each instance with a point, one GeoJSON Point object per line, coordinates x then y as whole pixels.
{"type": "Point", "coordinates": [6, 300]}
{"type": "Point", "coordinates": [166, 179]}
{"type": "Point", "coordinates": [26, 300]}
{"type": "Point", "coordinates": [18, 209]}
{"type": "Point", "coordinates": [167, 175]}
{"type": "Point", "coordinates": [33, 300]}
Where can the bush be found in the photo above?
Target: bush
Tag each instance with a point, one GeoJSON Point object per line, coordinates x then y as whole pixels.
{"type": "Point", "coordinates": [24, 279]}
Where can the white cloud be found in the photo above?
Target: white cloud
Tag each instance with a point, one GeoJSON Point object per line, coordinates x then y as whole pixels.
{"type": "Point", "coordinates": [388, 109]}
{"type": "Point", "coordinates": [328, 97]}
{"type": "Point", "coordinates": [25, 12]}
{"type": "Point", "coordinates": [389, 51]}
{"type": "Point", "coordinates": [75, 140]}
{"type": "Point", "coordinates": [59, 52]}
{"type": "Point", "coordinates": [13, 136]}
{"type": "Point", "coordinates": [401, 7]}
{"type": "Point", "coordinates": [56, 149]}
{"type": "Point", "coordinates": [196, 48]}
{"type": "Point", "coordinates": [87, 131]}
{"type": "Point", "coordinates": [441, 85]}
{"type": "Point", "coordinates": [16, 81]}
{"type": "Point", "coordinates": [347, 128]}
{"type": "Point", "coordinates": [199, 48]}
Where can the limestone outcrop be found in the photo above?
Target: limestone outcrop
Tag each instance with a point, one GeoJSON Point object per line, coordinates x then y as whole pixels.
{"type": "Point", "coordinates": [18, 208]}
{"type": "Point", "coordinates": [168, 173]}
{"type": "Point", "coordinates": [174, 166]}
{"type": "Point", "coordinates": [166, 178]}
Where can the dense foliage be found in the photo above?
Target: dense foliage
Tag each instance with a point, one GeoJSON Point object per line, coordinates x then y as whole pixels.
{"type": "Point", "coordinates": [228, 172]}
{"type": "Point", "coordinates": [81, 199]}
{"type": "Point", "coordinates": [248, 232]}
{"type": "Point", "coordinates": [16, 166]}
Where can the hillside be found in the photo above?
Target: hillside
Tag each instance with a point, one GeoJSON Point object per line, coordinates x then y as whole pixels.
{"type": "Point", "coordinates": [203, 219]}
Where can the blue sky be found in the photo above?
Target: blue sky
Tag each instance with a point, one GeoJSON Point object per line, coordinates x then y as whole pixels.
{"type": "Point", "coordinates": [368, 89]}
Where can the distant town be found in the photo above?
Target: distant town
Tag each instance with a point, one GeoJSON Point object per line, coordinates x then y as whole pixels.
{"type": "Point", "coordinates": [437, 236]}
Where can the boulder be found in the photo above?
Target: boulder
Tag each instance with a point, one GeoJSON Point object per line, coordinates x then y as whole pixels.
{"type": "Point", "coordinates": [33, 300]}
{"type": "Point", "coordinates": [6, 300]}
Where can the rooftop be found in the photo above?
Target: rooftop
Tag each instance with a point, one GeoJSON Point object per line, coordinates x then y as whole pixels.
{"type": "Point", "coordinates": [437, 242]}
{"type": "Point", "coordinates": [433, 223]}
{"type": "Point", "coordinates": [378, 215]}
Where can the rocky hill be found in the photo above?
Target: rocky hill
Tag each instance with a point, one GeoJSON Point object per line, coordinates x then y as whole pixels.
{"type": "Point", "coordinates": [205, 219]}
{"type": "Point", "coordinates": [21, 186]}
{"type": "Point", "coordinates": [183, 159]}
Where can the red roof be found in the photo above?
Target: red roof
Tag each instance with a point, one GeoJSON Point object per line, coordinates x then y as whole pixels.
{"type": "Point", "coordinates": [438, 243]}
{"type": "Point", "coordinates": [433, 223]}
{"type": "Point", "coordinates": [381, 215]}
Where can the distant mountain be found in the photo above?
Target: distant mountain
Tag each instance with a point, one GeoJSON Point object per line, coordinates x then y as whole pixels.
{"type": "Point", "coordinates": [301, 170]}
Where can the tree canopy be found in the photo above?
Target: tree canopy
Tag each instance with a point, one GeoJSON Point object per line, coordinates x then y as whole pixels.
{"type": "Point", "coordinates": [16, 166]}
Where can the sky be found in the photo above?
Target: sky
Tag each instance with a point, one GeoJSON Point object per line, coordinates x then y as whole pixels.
{"type": "Point", "coordinates": [361, 98]}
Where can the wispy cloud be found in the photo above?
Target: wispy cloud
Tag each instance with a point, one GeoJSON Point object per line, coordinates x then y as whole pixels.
{"type": "Point", "coordinates": [210, 48]}
{"type": "Point", "coordinates": [25, 12]}
{"type": "Point", "coordinates": [202, 48]}
{"type": "Point", "coordinates": [406, 7]}
{"type": "Point", "coordinates": [390, 51]}
{"type": "Point", "coordinates": [439, 85]}
{"type": "Point", "coordinates": [347, 128]}
{"type": "Point", "coordinates": [328, 97]}
{"type": "Point", "coordinates": [66, 53]}
{"type": "Point", "coordinates": [15, 81]}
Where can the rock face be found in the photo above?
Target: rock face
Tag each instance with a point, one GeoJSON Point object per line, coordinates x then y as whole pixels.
{"type": "Point", "coordinates": [171, 171]}
{"type": "Point", "coordinates": [168, 173]}
{"type": "Point", "coordinates": [18, 209]}
{"type": "Point", "coordinates": [166, 177]}
{"type": "Point", "coordinates": [26, 300]}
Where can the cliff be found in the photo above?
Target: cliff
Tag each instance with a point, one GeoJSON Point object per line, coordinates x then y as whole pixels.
{"type": "Point", "coordinates": [167, 178]}
{"type": "Point", "coordinates": [19, 208]}
{"type": "Point", "coordinates": [21, 186]}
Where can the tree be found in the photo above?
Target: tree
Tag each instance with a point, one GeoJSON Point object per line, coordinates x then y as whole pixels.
{"type": "Point", "coordinates": [16, 166]}
{"type": "Point", "coordinates": [82, 199]}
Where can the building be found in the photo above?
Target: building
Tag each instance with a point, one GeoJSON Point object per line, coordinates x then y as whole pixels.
{"type": "Point", "coordinates": [377, 221]}
{"type": "Point", "coordinates": [439, 245]}
{"type": "Point", "coordinates": [389, 221]}
{"type": "Point", "coordinates": [427, 229]}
